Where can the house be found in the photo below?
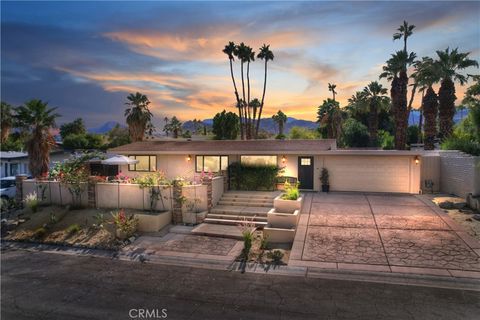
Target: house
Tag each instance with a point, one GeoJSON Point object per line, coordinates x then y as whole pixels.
{"type": "Point", "coordinates": [350, 170]}
{"type": "Point", "coordinates": [16, 162]}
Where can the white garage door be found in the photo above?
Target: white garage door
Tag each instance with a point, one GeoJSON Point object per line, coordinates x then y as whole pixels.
{"type": "Point", "coordinates": [369, 173]}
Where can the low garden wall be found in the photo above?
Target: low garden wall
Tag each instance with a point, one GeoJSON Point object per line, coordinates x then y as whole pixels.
{"type": "Point", "coordinates": [52, 192]}
{"type": "Point", "coordinates": [217, 189]}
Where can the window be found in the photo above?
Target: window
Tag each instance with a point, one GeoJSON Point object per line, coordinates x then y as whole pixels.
{"type": "Point", "coordinates": [211, 163]}
{"type": "Point", "coordinates": [305, 161]}
{"type": "Point", "coordinates": [145, 163]}
{"type": "Point", "coordinates": [259, 160]}
{"type": "Point", "coordinates": [13, 169]}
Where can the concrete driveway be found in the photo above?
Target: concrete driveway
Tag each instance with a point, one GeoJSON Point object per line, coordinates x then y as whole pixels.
{"type": "Point", "coordinates": [382, 232]}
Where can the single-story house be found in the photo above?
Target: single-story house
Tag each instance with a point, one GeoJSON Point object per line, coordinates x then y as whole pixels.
{"type": "Point", "coordinates": [16, 162]}
{"type": "Point", "coordinates": [349, 170]}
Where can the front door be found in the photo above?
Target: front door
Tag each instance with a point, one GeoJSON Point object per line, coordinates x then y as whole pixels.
{"type": "Point", "coordinates": [305, 172]}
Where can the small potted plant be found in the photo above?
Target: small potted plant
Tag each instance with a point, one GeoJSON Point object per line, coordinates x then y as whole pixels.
{"type": "Point", "coordinates": [325, 180]}
{"type": "Point", "coordinates": [125, 225]}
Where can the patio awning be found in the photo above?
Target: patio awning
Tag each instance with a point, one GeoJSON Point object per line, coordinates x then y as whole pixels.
{"type": "Point", "coordinates": [119, 160]}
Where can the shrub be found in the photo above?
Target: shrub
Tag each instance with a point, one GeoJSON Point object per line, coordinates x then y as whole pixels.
{"type": "Point", "coordinates": [73, 228]}
{"type": "Point", "coordinates": [253, 177]}
{"type": "Point", "coordinates": [386, 140]}
{"type": "Point", "coordinates": [264, 243]}
{"type": "Point", "coordinates": [413, 133]}
{"type": "Point", "coordinates": [99, 220]}
{"type": "Point", "coordinates": [39, 233]}
{"type": "Point", "coordinates": [302, 133]}
{"type": "Point", "coordinates": [355, 134]}
{"type": "Point", "coordinates": [463, 144]}
{"type": "Point", "coordinates": [125, 223]}
{"type": "Point", "coordinates": [291, 191]}
{"type": "Point", "coordinates": [31, 201]}
{"type": "Point", "coordinates": [247, 227]}
{"type": "Point", "coordinates": [276, 256]}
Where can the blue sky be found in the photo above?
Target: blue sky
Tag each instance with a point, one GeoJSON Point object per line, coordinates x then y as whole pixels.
{"type": "Point", "coordinates": [85, 57]}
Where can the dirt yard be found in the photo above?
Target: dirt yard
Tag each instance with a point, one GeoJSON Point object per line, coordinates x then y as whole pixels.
{"type": "Point", "coordinates": [264, 255]}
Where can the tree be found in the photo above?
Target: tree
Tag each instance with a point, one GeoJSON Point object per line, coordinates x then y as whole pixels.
{"type": "Point", "coordinates": [449, 63]}
{"type": "Point", "coordinates": [280, 119]}
{"type": "Point", "coordinates": [37, 119]}
{"type": "Point", "coordinates": [302, 133]}
{"type": "Point", "coordinates": [165, 125]}
{"type": "Point", "coordinates": [7, 120]}
{"type": "Point", "coordinates": [118, 136]}
{"type": "Point", "coordinates": [225, 126]}
{"type": "Point", "coordinates": [374, 95]}
{"type": "Point", "coordinates": [139, 117]}
{"type": "Point", "coordinates": [75, 127]}
{"type": "Point", "coordinates": [230, 51]}
{"type": "Point", "coordinates": [354, 134]}
{"type": "Point", "coordinates": [265, 54]}
{"type": "Point", "coordinates": [330, 118]}
{"type": "Point", "coordinates": [331, 88]}
{"type": "Point", "coordinates": [174, 126]}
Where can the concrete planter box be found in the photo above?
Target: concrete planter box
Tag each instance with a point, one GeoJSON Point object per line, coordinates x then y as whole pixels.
{"type": "Point", "coordinates": [283, 220]}
{"type": "Point", "coordinates": [193, 217]}
{"type": "Point", "coordinates": [154, 221]}
{"type": "Point", "coordinates": [279, 235]}
{"type": "Point", "coordinates": [287, 206]}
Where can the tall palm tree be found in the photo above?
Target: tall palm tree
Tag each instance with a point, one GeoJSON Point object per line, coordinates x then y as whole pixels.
{"type": "Point", "coordinates": [230, 50]}
{"type": "Point", "coordinates": [375, 97]}
{"type": "Point", "coordinates": [266, 55]}
{"type": "Point", "coordinates": [175, 127]}
{"type": "Point", "coordinates": [331, 87]}
{"type": "Point", "coordinates": [249, 57]}
{"type": "Point", "coordinates": [7, 120]}
{"type": "Point", "coordinates": [426, 75]}
{"type": "Point", "coordinates": [449, 62]}
{"type": "Point", "coordinates": [37, 119]}
{"type": "Point", "coordinates": [330, 118]}
{"type": "Point", "coordinates": [404, 31]}
{"type": "Point", "coordinates": [165, 129]}
{"type": "Point", "coordinates": [138, 116]}
{"type": "Point", "coordinates": [280, 119]}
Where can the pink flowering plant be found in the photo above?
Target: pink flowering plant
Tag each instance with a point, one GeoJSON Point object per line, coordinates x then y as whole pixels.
{"type": "Point", "coordinates": [125, 223]}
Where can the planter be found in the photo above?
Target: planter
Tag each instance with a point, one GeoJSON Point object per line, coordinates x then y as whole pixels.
{"type": "Point", "coordinates": [190, 217]}
{"type": "Point", "coordinates": [325, 188]}
{"type": "Point", "coordinates": [120, 234]}
{"type": "Point", "coordinates": [287, 206]}
{"type": "Point", "coordinates": [201, 216]}
{"type": "Point", "coordinates": [153, 222]}
{"type": "Point", "coordinates": [283, 220]}
{"type": "Point", "coordinates": [279, 235]}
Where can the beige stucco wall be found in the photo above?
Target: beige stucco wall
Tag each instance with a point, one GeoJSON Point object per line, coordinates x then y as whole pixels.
{"type": "Point", "coordinates": [196, 192]}
{"type": "Point", "coordinates": [217, 189]}
{"type": "Point", "coordinates": [55, 192]}
{"type": "Point", "coordinates": [459, 173]}
{"type": "Point", "coordinates": [430, 170]}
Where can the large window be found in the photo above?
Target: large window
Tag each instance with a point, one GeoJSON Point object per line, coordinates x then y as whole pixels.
{"type": "Point", "coordinates": [211, 163]}
{"type": "Point", "coordinates": [259, 160]}
{"type": "Point", "coordinates": [145, 163]}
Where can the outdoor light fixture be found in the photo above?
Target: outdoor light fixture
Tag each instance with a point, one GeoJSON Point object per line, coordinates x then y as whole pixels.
{"type": "Point", "coordinates": [189, 158]}
{"type": "Point", "coordinates": [417, 160]}
{"type": "Point", "coordinates": [284, 159]}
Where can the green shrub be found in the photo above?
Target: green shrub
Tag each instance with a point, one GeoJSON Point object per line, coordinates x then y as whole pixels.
{"type": "Point", "coordinates": [413, 133]}
{"type": "Point", "coordinates": [324, 177]}
{"type": "Point", "coordinates": [355, 134]}
{"type": "Point", "coordinates": [31, 201]}
{"type": "Point", "coordinates": [303, 133]}
{"type": "Point", "coordinates": [463, 144]}
{"type": "Point", "coordinates": [73, 228]}
{"type": "Point", "coordinates": [39, 233]}
{"type": "Point", "coordinates": [386, 140]}
{"type": "Point", "coordinates": [276, 256]}
{"type": "Point", "coordinates": [291, 191]}
{"type": "Point", "coordinates": [253, 177]}
{"type": "Point", "coordinates": [264, 243]}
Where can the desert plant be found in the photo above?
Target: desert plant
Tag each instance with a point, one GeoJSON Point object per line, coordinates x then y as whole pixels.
{"type": "Point", "coordinates": [73, 228]}
{"type": "Point", "coordinates": [247, 228]}
{"type": "Point", "coordinates": [100, 220]}
{"type": "Point", "coordinates": [264, 243]}
{"type": "Point", "coordinates": [125, 223]}
{"type": "Point", "coordinates": [31, 201]}
{"type": "Point", "coordinates": [276, 256]}
{"type": "Point", "coordinates": [291, 191]}
{"type": "Point", "coordinates": [39, 233]}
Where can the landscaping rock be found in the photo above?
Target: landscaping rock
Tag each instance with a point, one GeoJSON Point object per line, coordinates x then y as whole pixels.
{"type": "Point", "coordinates": [450, 203]}
{"type": "Point", "coordinates": [476, 217]}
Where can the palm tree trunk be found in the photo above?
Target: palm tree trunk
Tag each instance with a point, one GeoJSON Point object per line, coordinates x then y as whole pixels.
{"type": "Point", "coordinates": [430, 109]}
{"type": "Point", "coordinates": [249, 116]}
{"type": "Point", "coordinates": [5, 131]}
{"type": "Point", "coordinates": [243, 102]}
{"type": "Point", "coordinates": [237, 97]}
{"type": "Point", "coordinates": [263, 99]}
{"type": "Point", "coordinates": [399, 92]}
{"type": "Point", "coordinates": [446, 98]}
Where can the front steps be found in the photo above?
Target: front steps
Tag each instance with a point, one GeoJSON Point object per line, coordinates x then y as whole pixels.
{"type": "Point", "coordinates": [236, 207]}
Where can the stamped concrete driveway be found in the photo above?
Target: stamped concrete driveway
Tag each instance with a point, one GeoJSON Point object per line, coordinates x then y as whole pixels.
{"type": "Point", "coordinates": [382, 232]}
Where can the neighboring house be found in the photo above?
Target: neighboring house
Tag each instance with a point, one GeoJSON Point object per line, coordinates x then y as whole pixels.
{"type": "Point", "coordinates": [15, 162]}
{"type": "Point", "coordinates": [350, 170]}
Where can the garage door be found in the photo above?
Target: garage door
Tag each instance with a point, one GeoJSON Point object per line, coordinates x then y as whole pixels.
{"type": "Point", "coordinates": [369, 173]}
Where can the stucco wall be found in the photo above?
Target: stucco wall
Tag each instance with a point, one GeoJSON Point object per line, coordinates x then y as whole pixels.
{"type": "Point", "coordinates": [217, 189]}
{"type": "Point", "coordinates": [55, 192]}
{"type": "Point", "coordinates": [198, 192]}
{"type": "Point", "coordinates": [430, 170]}
{"type": "Point", "coordinates": [459, 173]}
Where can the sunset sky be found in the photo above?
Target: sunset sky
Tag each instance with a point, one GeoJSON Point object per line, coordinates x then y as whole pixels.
{"type": "Point", "coordinates": [84, 58]}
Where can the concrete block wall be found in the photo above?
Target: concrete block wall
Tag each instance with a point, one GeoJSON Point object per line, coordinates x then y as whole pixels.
{"type": "Point", "coordinates": [459, 173]}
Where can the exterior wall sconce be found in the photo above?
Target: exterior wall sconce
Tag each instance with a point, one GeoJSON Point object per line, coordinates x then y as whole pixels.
{"type": "Point", "coordinates": [189, 158]}
{"type": "Point", "coordinates": [417, 160]}
{"type": "Point", "coordinates": [284, 159]}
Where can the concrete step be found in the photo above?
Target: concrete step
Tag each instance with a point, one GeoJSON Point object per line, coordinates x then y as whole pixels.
{"type": "Point", "coordinates": [258, 224]}
{"type": "Point", "coordinates": [218, 230]}
{"type": "Point", "coordinates": [251, 194]}
{"type": "Point", "coordinates": [240, 218]}
{"type": "Point", "coordinates": [239, 210]}
{"type": "Point", "coordinates": [245, 203]}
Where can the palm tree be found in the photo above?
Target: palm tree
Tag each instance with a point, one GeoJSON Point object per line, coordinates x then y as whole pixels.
{"type": "Point", "coordinates": [7, 120]}
{"type": "Point", "coordinates": [404, 31]}
{"type": "Point", "coordinates": [139, 117]}
{"type": "Point", "coordinates": [165, 129]}
{"type": "Point", "coordinates": [331, 87]}
{"type": "Point", "coordinates": [175, 127]}
{"type": "Point", "coordinates": [426, 75]}
{"type": "Point", "coordinates": [280, 119]}
{"type": "Point", "coordinates": [265, 54]}
{"type": "Point", "coordinates": [37, 119]}
{"type": "Point", "coordinates": [230, 50]}
{"type": "Point", "coordinates": [249, 57]}
{"type": "Point", "coordinates": [330, 118]}
{"type": "Point", "coordinates": [449, 63]}
{"type": "Point", "coordinates": [374, 95]}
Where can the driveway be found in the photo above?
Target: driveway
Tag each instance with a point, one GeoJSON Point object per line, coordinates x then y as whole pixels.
{"type": "Point", "coordinates": [382, 232]}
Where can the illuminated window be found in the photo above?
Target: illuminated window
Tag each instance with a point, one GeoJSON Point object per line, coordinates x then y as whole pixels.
{"type": "Point", "coordinates": [145, 163]}
{"type": "Point", "coordinates": [305, 161]}
{"type": "Point", "coordinates": [211, 163]}
{"type": "Point", "coordinates": [259, 160]}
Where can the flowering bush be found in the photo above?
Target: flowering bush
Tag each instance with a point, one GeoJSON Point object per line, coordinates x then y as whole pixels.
{"type": "Point", "coordinates": [125, 223]}
{"type": "Point", "coordinates": [120, 177]}
{"type": "Point", "coordinates": [31, 201]}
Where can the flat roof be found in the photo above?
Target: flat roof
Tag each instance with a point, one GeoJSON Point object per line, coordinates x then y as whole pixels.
{"type": "Point", "coordinates": [12, 154]}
